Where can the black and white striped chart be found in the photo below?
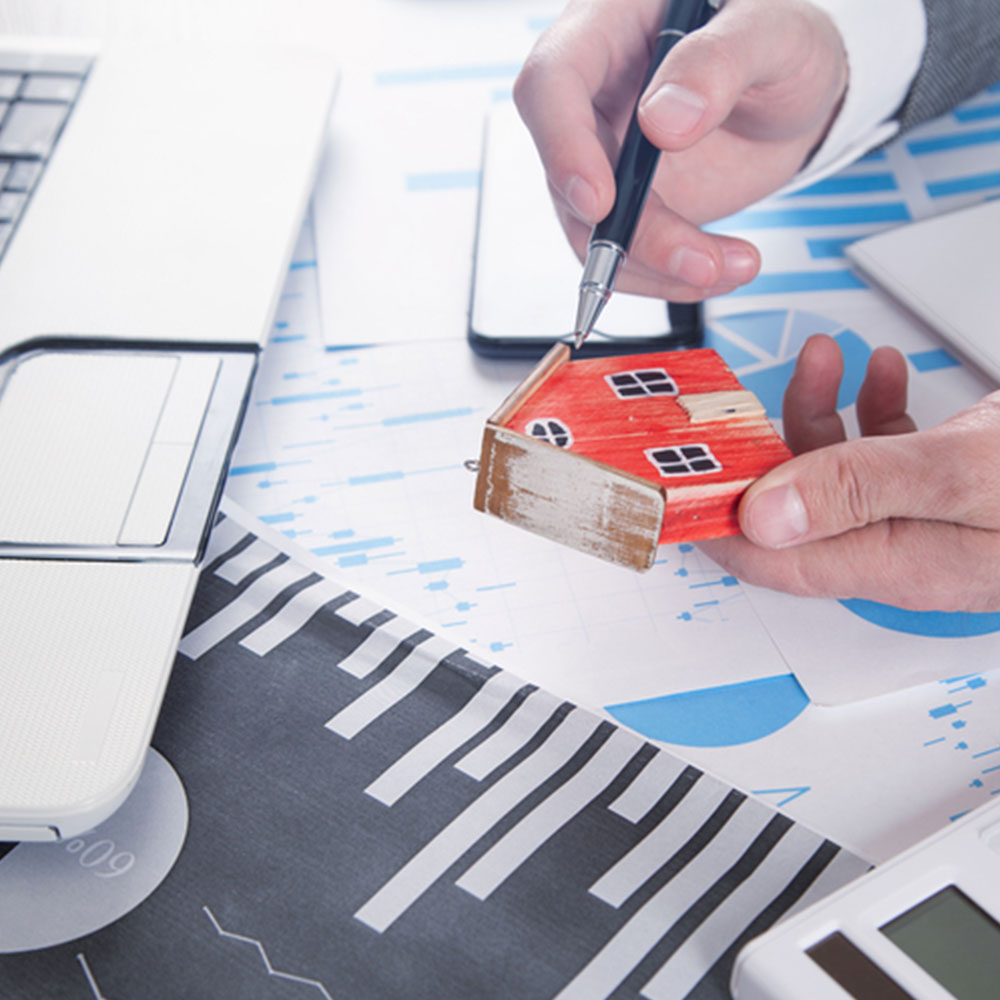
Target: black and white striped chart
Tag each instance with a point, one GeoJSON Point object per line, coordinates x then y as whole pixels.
{"type": "Point", "coordinates": [374, 813]}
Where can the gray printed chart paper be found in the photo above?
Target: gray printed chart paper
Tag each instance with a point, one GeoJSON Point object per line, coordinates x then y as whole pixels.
{"type": "Point", "coordinates": [341, 805]}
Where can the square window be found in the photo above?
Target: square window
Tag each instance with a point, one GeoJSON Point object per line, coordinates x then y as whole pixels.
{"type": "Point", "coordinates": [684, 460]}
{"type": "Point", "coordinates": [642, 382]}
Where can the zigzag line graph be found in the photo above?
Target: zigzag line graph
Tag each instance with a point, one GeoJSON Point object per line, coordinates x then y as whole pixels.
{"type": "Point", "coordinates": [271, 970]}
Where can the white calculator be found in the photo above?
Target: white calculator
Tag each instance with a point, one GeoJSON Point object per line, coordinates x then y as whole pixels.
{"type": "Point", "coordinates": [923, 926]}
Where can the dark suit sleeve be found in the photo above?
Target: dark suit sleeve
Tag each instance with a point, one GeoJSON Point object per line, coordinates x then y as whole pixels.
{"type": "Point", "coordinates": [962, 56]}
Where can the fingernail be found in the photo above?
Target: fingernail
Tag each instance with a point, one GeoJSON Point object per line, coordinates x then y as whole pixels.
{"type": "Point", "coordinates": [777, 517]}
{"type": "Point", "coordinates": [739, 265]}
{"type": "Point", "coordinates": [582, 199]}
{"type": "Point", "coordinates": [674, 109]}
{"type": "Point", "coordinates": [693, 266]}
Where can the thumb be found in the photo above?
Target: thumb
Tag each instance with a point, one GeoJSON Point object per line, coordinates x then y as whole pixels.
{"type": "Point", "coordinates": [854, 483]}
{"type": "Point", "coordinates": [746, 45]}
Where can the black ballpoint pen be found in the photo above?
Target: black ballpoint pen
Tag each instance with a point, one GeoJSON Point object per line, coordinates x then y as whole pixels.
{"type": "Point", "coordinates": [611, 237]}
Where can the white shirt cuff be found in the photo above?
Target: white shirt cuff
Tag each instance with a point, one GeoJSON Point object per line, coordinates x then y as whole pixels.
{"type": "Point", "coordinates": [884, 41]}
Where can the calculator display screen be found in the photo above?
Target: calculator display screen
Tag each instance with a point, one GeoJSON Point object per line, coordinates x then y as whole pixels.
{"type": "Point", "coordinates": [953, 940]}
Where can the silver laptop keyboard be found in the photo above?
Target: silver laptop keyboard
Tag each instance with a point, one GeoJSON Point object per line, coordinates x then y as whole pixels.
{"type": "Point", "coordinates": [37, 93]}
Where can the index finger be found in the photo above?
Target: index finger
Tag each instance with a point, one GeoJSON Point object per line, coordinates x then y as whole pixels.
{"type": "Point", "coordinates": [579, 66]}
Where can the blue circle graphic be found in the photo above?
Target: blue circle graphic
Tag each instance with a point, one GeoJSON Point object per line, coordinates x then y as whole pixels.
{"type": "Point", "coordinates": [943, 624]}
{"type": "Point", "coordinates": [721, 716]}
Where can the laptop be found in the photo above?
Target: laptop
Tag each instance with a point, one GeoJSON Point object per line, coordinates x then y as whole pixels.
{"type": "Point", "coordinates": [150, 200]}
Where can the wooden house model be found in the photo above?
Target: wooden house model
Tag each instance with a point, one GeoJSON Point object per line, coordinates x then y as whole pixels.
{"type": "Point", "coordinates": [615, 455]}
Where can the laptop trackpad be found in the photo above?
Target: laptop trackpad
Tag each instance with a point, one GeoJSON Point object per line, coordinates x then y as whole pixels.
{"type": "Point", "coordinates": [98, 444]}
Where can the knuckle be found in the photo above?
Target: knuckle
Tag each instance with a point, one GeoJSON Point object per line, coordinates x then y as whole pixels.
{"type": "Point", "coordinates": [524, 84]}
{"type": "Point", "coordinates": [709, 48]}
{"type": "Point", "coordinates": [853, 471]}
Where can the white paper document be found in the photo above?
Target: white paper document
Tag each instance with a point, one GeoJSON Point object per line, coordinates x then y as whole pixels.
{"type": "Point", "coordinates": [945, 270]}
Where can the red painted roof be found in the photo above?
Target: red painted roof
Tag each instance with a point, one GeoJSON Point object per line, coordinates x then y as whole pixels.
{"type": "Point", "coordinates": [618, 431]}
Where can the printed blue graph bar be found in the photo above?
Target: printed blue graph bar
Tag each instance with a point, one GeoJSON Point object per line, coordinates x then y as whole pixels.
{"type": "Point", "coordinates": [825, 249]}
{"type": "Point", "coordinates": [439, 565]}
{"type": "Point", "coordinates": [446, 74]}
{"type": "Point", "coordinates": [801, 281]}
{"type": "Point", "coordinates": [956, 140]}
{"type": "Point", "coordinates": [963, 185]}
{"type": "Point", "coordinates": [443, 180]}
{"type": "Point", "coordinates": [250, 470]}
{"type": "Point", "coordinates": [850, 184]}
{"type": "Point", "coordinates": [298, 265]}
{"type": "Point", "coordinates": [278, 518]}
{"type": "Point", "coordinates": [345, 548]}
{"type": "Point", "coordinates": [840, 215]}
{"type": "Point", "coordinates": [312, 397]}
{"type": "Point", "coordinates": [933, 360]}
{"type": "Point", "coordinates": [977, 113]}
{"type": "Point", "coordinates": [375, 477]}
{"type": "Point", "coordinates": [414, 418]}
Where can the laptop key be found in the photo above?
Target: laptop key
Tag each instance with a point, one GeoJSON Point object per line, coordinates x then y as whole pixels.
{"type": "Point", "coordinates": [21, 175]}
{"type": "Point", "coordinates": [46, 87]}
{"type": "Point", "coordinates": [31, 129]}
{"type": "Point", "coordinates": [9, 83]}
{"type": "Point", "coordinates": [11, 203]}
{"type": "Point", "coordinates": [45, 62]}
